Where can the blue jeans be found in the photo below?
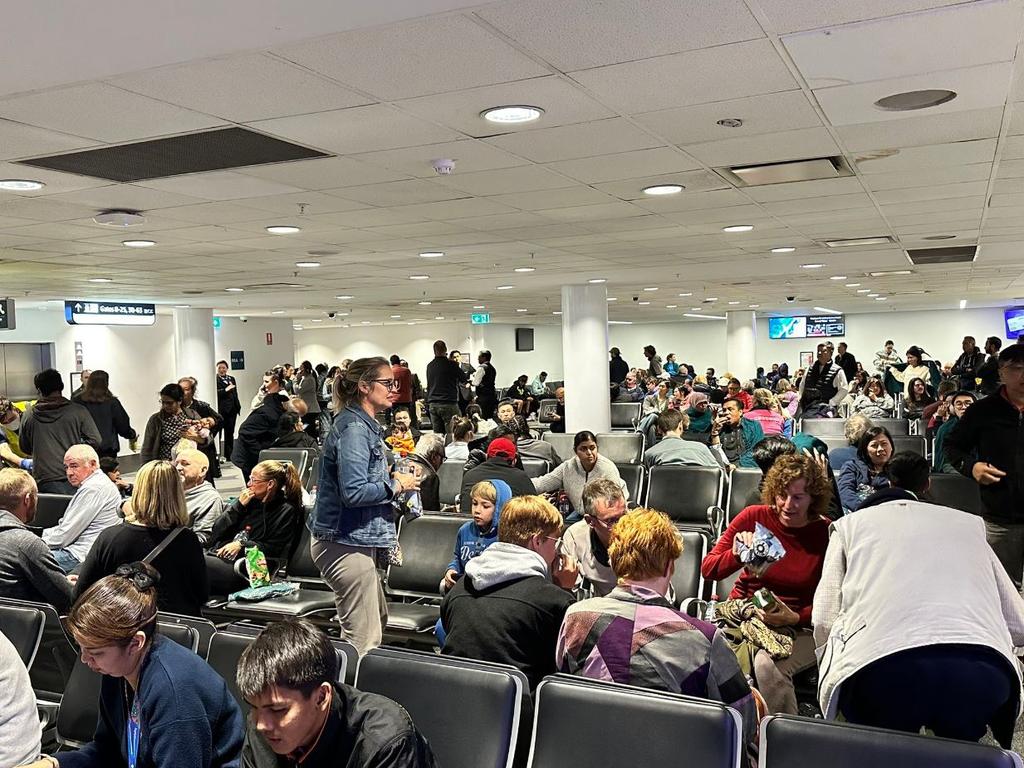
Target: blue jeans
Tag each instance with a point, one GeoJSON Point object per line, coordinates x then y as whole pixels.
{"type": "Point", "coordinates": [65, 560]}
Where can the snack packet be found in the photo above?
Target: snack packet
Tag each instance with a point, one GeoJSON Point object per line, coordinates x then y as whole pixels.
{"type": "Point", "coordinates": [763, 551]}
{"type": "Point", "coordinates": [256, 562]}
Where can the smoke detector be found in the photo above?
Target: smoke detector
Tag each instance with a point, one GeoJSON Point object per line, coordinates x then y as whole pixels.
{"type": "Point", "coordinates": [119, 218]}
{"type": "Point", "coordinates": [443, 167]}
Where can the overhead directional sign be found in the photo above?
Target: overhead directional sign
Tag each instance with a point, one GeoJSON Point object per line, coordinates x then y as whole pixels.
{"type": "Point", "coordinates": [109, 313]}
{"type": "Point", "coordinates": [7, 315]}
{"type": "Point", "coordinates": [480, 318]}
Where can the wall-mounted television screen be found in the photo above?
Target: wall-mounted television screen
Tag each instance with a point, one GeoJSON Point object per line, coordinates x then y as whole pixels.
{"type": "Point", "coordinates": [811, 327]}
{"type": "Point", "coordinates": [1014, 322]}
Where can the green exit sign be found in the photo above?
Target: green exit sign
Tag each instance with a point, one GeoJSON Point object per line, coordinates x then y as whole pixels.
{"type": "Point", "coordinates": [481, 318]}
{"type": "Point", "coordinates": [216, 322]}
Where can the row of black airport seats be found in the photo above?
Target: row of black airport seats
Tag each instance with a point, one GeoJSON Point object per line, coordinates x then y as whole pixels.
{"type": "Point", "coordinates": [612, 724]}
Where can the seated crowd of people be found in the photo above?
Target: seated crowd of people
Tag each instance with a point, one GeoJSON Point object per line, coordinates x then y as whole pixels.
{"type": "Point", "coordinates": [561, 572]}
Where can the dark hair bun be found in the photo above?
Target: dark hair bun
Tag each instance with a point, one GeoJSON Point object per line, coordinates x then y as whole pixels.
{"type": "Point", "coordinates": [143, 575]}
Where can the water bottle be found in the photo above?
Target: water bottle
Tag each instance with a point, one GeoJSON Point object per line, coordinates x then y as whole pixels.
{"type": "Point", "coordinates": [243, 536]}
{"type": "Point", "coordinates": [312, 497]}
{"type": "Point", "coordinates": [711, 612]}
{"type": "Point", "coordinates": [413, 502]}
{"type": "Point", "coordinates": [564, 507]}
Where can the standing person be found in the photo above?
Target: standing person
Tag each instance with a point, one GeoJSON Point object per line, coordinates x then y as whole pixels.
{"type": "Point", "coordinates": [986, 445]}
{"type": "Point", "coordinates": [886, 357]}
{"type": "Point", "coordinates": [157, 514]}
{"type": "Point", "coordinates": [228, 406]}
{"type": "Point", "coordinates": [258, 431]}
{"type": "Point", "coordinates": [846, 361]}
{"type": "Point", "coordinates": [915, 369]}
{"type": "Point", "coordinates": [465, 388]}
{"type": "Point", "coordinates": [483, 382]}
{"type": "Point", "coordinates": [161, 705]}
{"type": "Point", "coordinates": [989, 370]}
{"type": "Point", "coordinates": [968, 364]}
{"type": "Point", "coordinates": [305, 388]}
{"type": "Point", "coordinates": [403, 379]}
{"type": "Point", "coordinates": [167, 426]}
{"type": "Point", "coordinates": [654, 366]}
{"type": "Point", "coordinates": [50, 427]}
{"type": "Point", "coordinates": [443, 379]}
{"type": "Point", "coordinates": [109, 415]}
{"type": "Point", "coordinates": [354, 516]}
{"type": "Point", "coordinates": [206, 418]}
{"type": "Point", "coordinates": [824, 387]}
{"type": "Point", "coordinates": [617, 367]}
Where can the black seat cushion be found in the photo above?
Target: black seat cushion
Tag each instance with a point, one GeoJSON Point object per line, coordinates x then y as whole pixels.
{"type": "Point", "coordinates": [412, 617]}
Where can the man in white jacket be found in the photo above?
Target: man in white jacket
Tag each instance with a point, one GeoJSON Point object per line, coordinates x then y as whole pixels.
{"type": "Point", "coordinates": [915, 619]}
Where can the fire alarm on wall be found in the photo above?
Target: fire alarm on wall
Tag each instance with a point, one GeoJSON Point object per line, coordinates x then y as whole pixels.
{"type": "Point", "coordinates": [270, 339]}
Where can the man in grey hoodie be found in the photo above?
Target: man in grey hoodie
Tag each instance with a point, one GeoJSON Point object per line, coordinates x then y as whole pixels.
{"type": "Point", "coordinates": [50, 427]}
{"type": "Point", "coordinates": [203, 502]}
{"type": "Point", "coordinates": [28, 570]}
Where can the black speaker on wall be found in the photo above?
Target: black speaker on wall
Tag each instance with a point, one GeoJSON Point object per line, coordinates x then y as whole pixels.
{"type": "Point", "coordinates": [524, 339]}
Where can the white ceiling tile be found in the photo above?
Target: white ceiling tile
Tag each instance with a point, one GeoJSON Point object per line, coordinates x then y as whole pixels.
{"type": "Point", "coordinates": [921, 158]}
{"type": "Point", "coordinates": [795, 15]}
{"type": "Point", "coordinates": [400, 193]}
{"type": "Point", "coordinates": [309, 202]}
{"type": "Point", "coordinates": [86, 110]}
{"type": "Point", "coordinates": [130, 196]}
{"type": "Point", "coordinates": [694, 77]}
{"type": "Point", "coordinates": [693, 182]}
{"type": "Point", "coordinates": [766, 148]}
{"type": "Point", "coordinates": [931, 206]}
{"type": "Point", "coordinates": [456, 209]}
{"type": "Point", "coordinates": [922, 177]}
{"type": "Point", "coordinates": [616, 210]}
{"type": "Point", "coordinates": [359, 129]}
{"type": "Point", "coordinates": [447, 53]}
{"type": "Point", "coordinates": [553, 198]}
{"type": "Point", "coordinates": [814, 204]}
{"type": "Point", "coordinates": [977, 88]}
{"type": "Point", "coordinates": [1011, 169]}
{"type": "Point", "coordinates": [368, 217]}
{"type": "Point", "coordinates": [562, 101]}
{"type": "Point", "coordinates": [469, 155]}
{"type": "Point", "coordinates": [690, 200]}
{"type": "Point", "coordinates": [805, 189]}
{"type": "Point", "coordinates": [626, 165]}
{"type": "Point", "coordinates": [920, 130]}
{"type": "Point", "coordinates": [18, 140]}
{"type": "Point", "coordinates": [55, 181]}
{"type": "Point", "coordinates": [1016, 118]}
{"type": "Point", "coordinates": [211, 213]}
{"type": "Point", "coordinates": [577, 34]}
{"type": "Point", "coordinates": [218, 185]}
{"type": "Point", "coordinates": [527, 178]}
{"type": "Point", "coordinates": [943, 192]}
{"type": "Point", "coordinates": [1013, 148]}
{"type": "Point", "coordinates": [501, 221]}
{"type": "Point", "coordinates": [323, 173]}
{"type": "Point", "coordinates": [242, 88]}
{"type": "Point", "coordinates": [912, 44]}
{"type": "Point", "coordinates": [760, 114]}
{"type": "Point", "coordinates": [566, 142]}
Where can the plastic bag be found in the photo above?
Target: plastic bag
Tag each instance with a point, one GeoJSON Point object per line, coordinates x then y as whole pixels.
{"type": "Point", "coordinates": [763, 551]}
{"type": "Point", "coordinates": [256, 562]}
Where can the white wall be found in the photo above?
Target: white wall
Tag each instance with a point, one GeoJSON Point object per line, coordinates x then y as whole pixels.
{"type": "Point", "coordinates": [251, 338]}
{"type": "Point", "coordinates": [699, 342]}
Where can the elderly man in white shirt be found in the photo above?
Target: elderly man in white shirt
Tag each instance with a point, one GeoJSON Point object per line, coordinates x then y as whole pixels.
{"type": "Point", "coordinates": [93, 508]}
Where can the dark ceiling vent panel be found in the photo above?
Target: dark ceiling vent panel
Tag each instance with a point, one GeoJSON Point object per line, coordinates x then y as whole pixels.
{"type": "Point", "coordinates": [960, 254]}
{"type": "Point", "coordinates": [192, 153]}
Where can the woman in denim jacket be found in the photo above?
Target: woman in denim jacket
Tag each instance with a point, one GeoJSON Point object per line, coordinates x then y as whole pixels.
{"type": "Point", "coordinates": [354, 515]}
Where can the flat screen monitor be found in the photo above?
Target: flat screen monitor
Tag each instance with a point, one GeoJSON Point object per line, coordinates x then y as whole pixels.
{"type": "Point", "coordinates": [787, 327]}
{"type": "Point", "coordinates": [810, 327]}
{"type": "Point", "coordinates": [1014, 322]}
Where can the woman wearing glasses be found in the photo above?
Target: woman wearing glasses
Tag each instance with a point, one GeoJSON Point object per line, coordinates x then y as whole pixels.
{"type": "Point", "coordinates": [354, 517]}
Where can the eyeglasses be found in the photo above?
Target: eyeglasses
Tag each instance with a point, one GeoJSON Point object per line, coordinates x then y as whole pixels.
{"type": "Point", "coordinates": [606, 524]}
{"type": "Point", "coordinates": [390, 384]}
{"type": "Point", "coordinates": [558, 543]}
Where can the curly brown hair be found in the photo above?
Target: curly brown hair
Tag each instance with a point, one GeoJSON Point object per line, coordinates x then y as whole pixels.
{"type": "Point", "coordinates": [786, 470]}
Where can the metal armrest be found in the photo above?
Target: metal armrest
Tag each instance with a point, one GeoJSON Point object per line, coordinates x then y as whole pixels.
{"type": "Point", "coordinates": [716, 519]}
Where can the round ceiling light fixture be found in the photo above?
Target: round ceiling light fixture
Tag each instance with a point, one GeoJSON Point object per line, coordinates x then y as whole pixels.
{"type": "Point", "coordinates": [283, 229]}
{"type": "Point", "coordinates": [138, 243]}
{"type": "Point", "coordinates": [909, 101]}
{"type": "Point", "coordinates": [119, 218]}
{"type": "Point", "coordinates": [783, 249]}
{"type": "Point", "coordinates": [512, 114]}
{"type": "Point", "coordinates": [738, 228]}
{"type": "Point", "coordinates": [663, 189]}
{"type": "Point", "coordinates": [20, 185]}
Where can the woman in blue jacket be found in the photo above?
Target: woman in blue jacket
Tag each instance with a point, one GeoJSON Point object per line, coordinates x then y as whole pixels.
{"type": "Point", "coordinates": [354, 519]}
{"type": "Point", "coordinates": [862, 476]}
{"type": "Point", "coordinates": [160, 704]}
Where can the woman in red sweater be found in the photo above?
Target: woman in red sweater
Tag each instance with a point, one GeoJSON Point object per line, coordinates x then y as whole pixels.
{"type": "Point", "coordinates": [796, 495]}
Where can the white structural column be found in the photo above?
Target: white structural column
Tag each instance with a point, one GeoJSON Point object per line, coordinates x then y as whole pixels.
{"type": "Point", "coordinates": [741, 344]}
{"type": "Point", "coordinates": [585, 357]}
{"type": "Point", "coordinates": [193, 349]}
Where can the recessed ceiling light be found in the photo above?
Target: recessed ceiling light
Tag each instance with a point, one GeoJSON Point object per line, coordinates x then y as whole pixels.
{"type": "Point", "coordinates": [424, 303]}
{"type": "Point", "coordinates": [911, 100]}
{"type": "Point", "coordinates": [697, 309]}
{"type": "Point", "coordinates": [100, 280]}
{"type": "Point", "coordinates": [653, 288]}
{"type": "Point", "coordinates": [512, 113]}
{"type": "Point", "coordinates": [365, 322]}
{"type": "Point", "coordinates": [318, 320]}
{"type": "Point", "coordinates": [522, 310]}
{"type": "Point", "coordinates": [183, 306]}
{"type": "Point", "coordinates": [838, 277]}
{"type": "Point", "coordinates": [419, 277]}
{"type": "Point", "coordinates": [686, 294]}
{"type": "Point", "coordinates": [643, 303]}
{"type": "Point", "coordinates": [431, 254]}
{"type": "Point", "coordinates": [396, 317]}
{"type": "Point", "coordinates": [505, 287]}
{"type": "Point", "coordinates": [439, 317]}
{"type": "Point", "coordinates": [277, 312]}
{"type": "Point", "coordinates": [705, 317]}
{"type": "Point", "coordinates": [557, 312]}
{"type": "Point", "coordinates": [857, 241]}
{"type": "Point", "coordinates": [525, 269]}
{"type": "Point", "coordinates": [963, 303]}
{"type": "Point", "coordinates": [872, 295]}
{"type": "Point", "coordinates": [783, 249]}
{"type": "Point", "coordinates": [710, 299]}
{"type": "Point", "coordinates": [20, 185]}
{"type": "Point", "coordinates": [671, 306]}
{"type": "Point", "coordinates": [620, 322]}
{"type": "Point", "coordinates": [297, 328]}
{"type": "Point", "coordinates": [138, 243]}
{"type": "Point", "coordinates": [343, 297]}
{"type": "Point", "coordinates": [738, 228]}
{"type": "Point", "coordinates": [733, 303]}
{"type": "Point", "coordinates": [342, 314]}
{"type": "Point", "coordinates": [891, 272]}
{"type": "Point", "coordinates": [828, 311]}
{"type": "Point", "coordinates": [753, 306]}
{"type": "Point", "coordinates": [120, 218]}
{"type": "Point", "coordinates": [811, 266]}
{"type": "Point", "coordinates": [307, 264]}
{"type": "Point", "coordinates": [411, 323]}
{"type": "Point", "coordinates": [596, 280]}
{"type": "Point", "coordinates": [283, 229]}
{"type": "Point", "coordinates": [853, 285]}
{"type": "Point", "coordinates": [864, 290]}
{"type": "Point", "coordinates": [479, 306]}
{"type": "Point", "coordinates": [612, 298]}
{"type": "Point", "coordinates": [234, 290]}
{"type": "Point", "coordinates": [663, 189]}
{"type": "Point", "coordinates": [881, 298]}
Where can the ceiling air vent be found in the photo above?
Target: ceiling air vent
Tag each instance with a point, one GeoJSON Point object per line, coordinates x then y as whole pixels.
{"type": "Point", "coordinates": [961, 254]}
{"type": "Point", "coordinates": [784, 173]}
{"type": "Point", "coordinates": [215, 150]}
